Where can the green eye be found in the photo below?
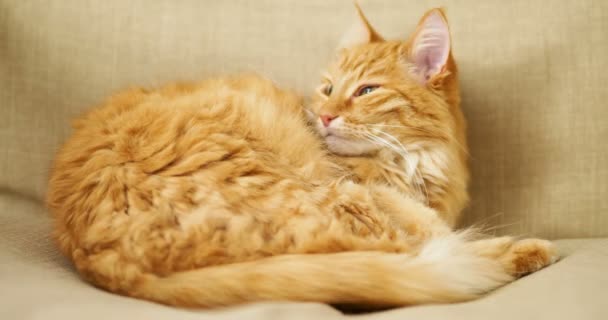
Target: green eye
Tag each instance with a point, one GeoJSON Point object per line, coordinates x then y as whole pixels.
{"type": "Point", "coordinates": [365, 90]}
{"type": "Point", "coordinates": [328, 89]}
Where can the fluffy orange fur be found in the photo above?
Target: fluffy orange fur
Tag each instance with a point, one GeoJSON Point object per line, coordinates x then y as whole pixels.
{"type": "Point", "coordinates": [417, 133]}
{"type": "Point", "coordinates": [219, 193]}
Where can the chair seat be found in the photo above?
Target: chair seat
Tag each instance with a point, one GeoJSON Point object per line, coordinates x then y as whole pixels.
{"type": "Point", "coordinates": [38, 283]}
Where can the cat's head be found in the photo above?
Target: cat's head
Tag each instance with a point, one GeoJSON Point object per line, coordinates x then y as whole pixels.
{"type": "Point", "coordinates": [380, 94]}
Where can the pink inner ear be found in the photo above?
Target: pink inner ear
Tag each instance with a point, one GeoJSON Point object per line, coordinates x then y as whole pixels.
{"type": "Point", "coordinates": [431, 46]}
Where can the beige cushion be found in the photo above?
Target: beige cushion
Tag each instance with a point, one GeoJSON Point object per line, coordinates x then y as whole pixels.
{"type": "Point", "coordinates": [37, 283]}
{"type": "Point", "coordinates": [533, 75]}
{"type": "Point", "coordinates": [534, 93]}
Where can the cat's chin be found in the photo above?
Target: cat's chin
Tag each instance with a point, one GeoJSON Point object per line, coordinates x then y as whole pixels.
{"type": "Point", "coordinates": [348, 147]}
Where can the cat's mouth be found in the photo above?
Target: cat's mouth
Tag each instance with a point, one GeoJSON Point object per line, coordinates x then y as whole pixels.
{"type": "Point", "coordinates": [340, 141]}
{"type": "Point", "coordinates": [347, 146]}
{"type": "Point", "coordinates": [331, 138]}
{"type": "Point", "coordinates": [333, 132]}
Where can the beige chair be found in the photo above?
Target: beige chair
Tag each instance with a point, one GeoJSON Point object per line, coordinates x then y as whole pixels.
{"type": "Point", "coordinates": [534, 86]}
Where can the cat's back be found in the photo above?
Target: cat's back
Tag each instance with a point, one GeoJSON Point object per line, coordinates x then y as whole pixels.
{"type": "Point", "coordinates": [138, 122]}
{"type": "Point", "coordinates": [244, 98]}
{"type": "Point", "coordinates": [148, 139]}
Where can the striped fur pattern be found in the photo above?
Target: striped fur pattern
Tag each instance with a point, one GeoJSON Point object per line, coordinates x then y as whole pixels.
{"type": "Point", "coordinates": [219, 193]}
{"type": "Point", "coordinates": [409, 131]}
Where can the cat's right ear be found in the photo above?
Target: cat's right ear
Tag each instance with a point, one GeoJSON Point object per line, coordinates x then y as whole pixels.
{"type": "Point", "coordinates": [430, 47]}
{"type": "Point", "coordinates": [360, 32]}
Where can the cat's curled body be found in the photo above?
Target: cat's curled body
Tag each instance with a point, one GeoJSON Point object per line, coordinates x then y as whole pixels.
{"type": "Point", "coordinates": [218, 193]}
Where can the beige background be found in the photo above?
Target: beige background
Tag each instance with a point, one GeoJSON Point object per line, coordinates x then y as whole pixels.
{"type": "Point", "coordinates": [534, 86]}
{"type": "Point", "coordinates": [533, 76]}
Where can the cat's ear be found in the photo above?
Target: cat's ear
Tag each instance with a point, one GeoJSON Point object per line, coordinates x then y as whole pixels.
{"type": "Point", "coordinates": [360, 32]}
{"type": "Point", "coordinates": [430, 46]}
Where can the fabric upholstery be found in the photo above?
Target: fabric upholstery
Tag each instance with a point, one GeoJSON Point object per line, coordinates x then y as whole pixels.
{"type": "Point", "coordinates": [532, 79]}
{"type": "Point", "coordinates": [38, 283]}
{"type": "Point", "coordinates": [534, 93]}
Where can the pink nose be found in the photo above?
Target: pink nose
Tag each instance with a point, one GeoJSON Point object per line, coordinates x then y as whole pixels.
{"type": "Point", "coordinates": [326, 119]}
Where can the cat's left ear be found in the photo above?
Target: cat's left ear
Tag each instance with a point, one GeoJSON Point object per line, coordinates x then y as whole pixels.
{"type": "Point", "coordinates": [430, 46]}
{"type": "Point", "coordinates": [360, 32]}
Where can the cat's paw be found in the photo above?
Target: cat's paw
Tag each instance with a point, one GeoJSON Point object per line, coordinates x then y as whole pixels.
{"type": "Point", "coordinates": [529, 255]}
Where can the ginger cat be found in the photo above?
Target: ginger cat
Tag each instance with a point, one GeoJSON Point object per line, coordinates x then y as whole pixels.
{"type": "Point", "coordinates": [403, 129]}
{"type": "Point", "coordinates": [219, 193]}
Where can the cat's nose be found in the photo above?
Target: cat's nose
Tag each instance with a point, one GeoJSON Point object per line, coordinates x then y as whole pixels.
{"type": "Point", "coordinates": [327, 119]}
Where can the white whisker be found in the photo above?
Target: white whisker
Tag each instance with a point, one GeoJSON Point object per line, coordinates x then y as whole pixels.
{"type": "Point", "coordinates": [402, 151]}
{"type": "Point", "coordinates": [416, 171]}
{"type": "Point", "coordinates": [450, 138]}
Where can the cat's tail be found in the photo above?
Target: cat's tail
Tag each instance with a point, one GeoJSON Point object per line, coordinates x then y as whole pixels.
{"type": "Point", "coordinates": [445, 270]}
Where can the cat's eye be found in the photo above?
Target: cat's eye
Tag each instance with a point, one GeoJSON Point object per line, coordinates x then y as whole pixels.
{"type": "Point", "coordinates": [363, 90]}
{"type": "Point", "coordinates": [328, 89]}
